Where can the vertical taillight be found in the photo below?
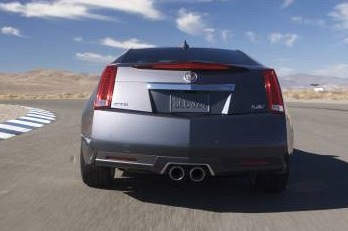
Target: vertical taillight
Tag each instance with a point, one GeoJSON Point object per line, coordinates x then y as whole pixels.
{"type": "Point", "coordinates": [106, 88]}
{"type": "Point", "coordinates": [273, 91]}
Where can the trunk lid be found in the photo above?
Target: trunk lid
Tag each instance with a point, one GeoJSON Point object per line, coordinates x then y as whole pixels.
{"type": "Point", "coordinates": [208, 92]}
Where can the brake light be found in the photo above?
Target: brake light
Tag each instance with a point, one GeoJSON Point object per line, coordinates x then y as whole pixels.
{"type": "Point", "coordinates": [185, 66]}
{"type": "Point", "coordinates": [273, 91]}
{"type": "Point", "coordinates": [106, 88]}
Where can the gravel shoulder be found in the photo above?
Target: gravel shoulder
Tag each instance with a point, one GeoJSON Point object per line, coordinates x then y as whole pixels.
{"type": "Point", "coordinates": [8, 112]}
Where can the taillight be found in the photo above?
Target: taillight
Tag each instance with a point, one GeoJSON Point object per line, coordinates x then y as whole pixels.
{"type": "Point", "coordinates": [106, 88]}
{"type": "Point", "coordinates": [184, 66]}
{"type": "Point", "coordinates": [273, 91]}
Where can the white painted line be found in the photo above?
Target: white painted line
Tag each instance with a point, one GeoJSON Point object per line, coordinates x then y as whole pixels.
{"type": "Point", "coordinates": [36, 125]}
{"type": "Point", "coordinates": [36, 120]}
{"type": "Point", "coordinates": [42, 111]}
{"type": "Point", "coordinates": [43, 114]}
{"type": "Point", "coordinates": [40, 116]}
{"type": "Point", "coordinates": [14, 128]}
{"type": "Point", "coordinates": [5, 135]}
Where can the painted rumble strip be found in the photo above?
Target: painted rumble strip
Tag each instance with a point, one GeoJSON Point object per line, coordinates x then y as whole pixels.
{"type": "Point", "coordinates": [34, 119]}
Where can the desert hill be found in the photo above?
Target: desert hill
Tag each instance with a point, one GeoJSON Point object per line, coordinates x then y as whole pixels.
{"type": "Point", "coordinates": [46, 82]}
{"type": "Point", "coordinates": [57, 84]}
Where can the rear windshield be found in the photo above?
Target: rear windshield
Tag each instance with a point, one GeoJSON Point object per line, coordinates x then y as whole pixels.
{"type": "Point", "coordinates": [158, 55]}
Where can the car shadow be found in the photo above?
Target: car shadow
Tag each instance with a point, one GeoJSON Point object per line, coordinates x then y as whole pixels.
{"type": "Point", "coordinates": [316, 182]}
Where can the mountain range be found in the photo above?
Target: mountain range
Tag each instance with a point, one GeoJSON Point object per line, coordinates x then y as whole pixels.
{"type": "Point", "coordinates": [303, 81]}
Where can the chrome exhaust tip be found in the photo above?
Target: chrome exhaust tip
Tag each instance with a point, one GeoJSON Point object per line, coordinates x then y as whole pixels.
{"type": "Point", "coordinates": [176, 173]}
{"type": "Point", "coordinates": [197, 174]}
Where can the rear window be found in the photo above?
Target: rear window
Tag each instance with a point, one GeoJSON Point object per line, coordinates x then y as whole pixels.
{"type": "Point", "coordinates": [158, 55]}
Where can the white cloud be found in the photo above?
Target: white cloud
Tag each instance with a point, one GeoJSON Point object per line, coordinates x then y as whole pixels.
{"type": "Point", "coordinates": [226, 35]}
{"type": "Point", "coordinates": [287, 3]}
{"type": "Point", "coordinates": [345, 40]}
{"type": "Point", "coordinates": [78, 39]}
{"type": "Point", "coordinates": [190, 22]}
{"type": "Point", "coordinates": [94, 57]}
{"type": "Point", "coordinates": [286, 39]}
{"type": "Point", "coordinates": [284, 71]}
{"type": "Point", "coordinates": [193, 23]}
{"type": "Point", "coordinates": [251, 36]}
{"type": "Point", "coordinates": [338, 70]}
{"type": "Point", "coordinates": [275, 37]}
{"type": "Point", "coordinates": [8, 30]}
{"type": "Point", "coordinates": [340, 15]}
{"type": "Point", "coordinates": [80, 9]}
{"type": "Point", "coordinates": [142, 7]}
{"type": "Point", "coordinates": [126, 44]}
{"type": "Point", "coordinates": [50, 10]}
{"type": "Point", "coordinates": [308, 21]}
{"type": "Point", "coordinates": [210, 34]}
{"type": "Point", "coordinates": [191, 1]}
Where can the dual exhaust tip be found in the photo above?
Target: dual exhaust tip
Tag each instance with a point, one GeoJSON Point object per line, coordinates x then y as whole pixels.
{"type": "Point", "coordinates": [178, 173]}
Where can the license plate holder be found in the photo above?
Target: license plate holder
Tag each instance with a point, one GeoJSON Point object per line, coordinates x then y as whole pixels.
{"type": "Point", "coordinates": [189, 102]}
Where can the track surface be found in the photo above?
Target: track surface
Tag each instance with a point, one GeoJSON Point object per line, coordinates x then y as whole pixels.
{"type": "Point", "coordinates": [40, 186]}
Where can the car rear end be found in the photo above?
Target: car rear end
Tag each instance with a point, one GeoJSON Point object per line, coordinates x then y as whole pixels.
{"type": "Point", "coordinates": [191, 114]}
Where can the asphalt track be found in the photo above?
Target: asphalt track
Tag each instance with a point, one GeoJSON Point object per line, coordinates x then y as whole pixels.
{"type": "Point", "coordinates": [40, 186]}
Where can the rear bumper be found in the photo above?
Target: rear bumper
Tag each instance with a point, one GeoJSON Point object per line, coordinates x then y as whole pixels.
{"type": "Point", "coordinates": [223, 144]}
{"type": "Point", "coordinates": [216, 165]}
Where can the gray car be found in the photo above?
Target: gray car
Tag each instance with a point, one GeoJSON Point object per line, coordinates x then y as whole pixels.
{"type": "Point", "coordinates": [188, 113]}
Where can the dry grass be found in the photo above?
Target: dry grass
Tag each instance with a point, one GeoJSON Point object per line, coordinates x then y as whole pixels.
{"type": "Point", "coordinates": [311, 95]}
{"type": "Point", "coordinates": [76, 95]}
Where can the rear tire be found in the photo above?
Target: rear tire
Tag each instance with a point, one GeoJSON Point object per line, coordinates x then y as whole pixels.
{"type": "Point", "coordinates": [95, 176]}
{"type": "Point", "coordinates": [272, 182]}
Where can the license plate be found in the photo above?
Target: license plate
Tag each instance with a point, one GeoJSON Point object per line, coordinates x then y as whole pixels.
{"type": "Point", "coordinates": [191, 102]}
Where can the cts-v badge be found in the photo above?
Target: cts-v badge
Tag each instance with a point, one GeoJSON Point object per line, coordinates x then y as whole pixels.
{"type": "Point", "coordinates": [190, 77]}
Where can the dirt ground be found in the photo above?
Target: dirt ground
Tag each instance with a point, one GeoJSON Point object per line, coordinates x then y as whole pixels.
{"type": "Point", "coordinates": [8, 112]}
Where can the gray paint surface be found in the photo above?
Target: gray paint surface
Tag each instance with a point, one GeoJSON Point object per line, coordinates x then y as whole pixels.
{"type": "Point", "coordinates": [239, 127]}
{"type": "Point", "coordinates": [41, 189]}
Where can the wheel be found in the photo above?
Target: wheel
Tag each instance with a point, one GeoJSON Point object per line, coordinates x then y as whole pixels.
{"type": "Point", "coordinates": [272, 182]}
{"type": "Point", "coordinates": [95, 176]}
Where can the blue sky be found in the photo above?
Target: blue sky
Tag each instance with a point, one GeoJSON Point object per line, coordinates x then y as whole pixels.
{"type": "Point", "coordinates": [292, 36]}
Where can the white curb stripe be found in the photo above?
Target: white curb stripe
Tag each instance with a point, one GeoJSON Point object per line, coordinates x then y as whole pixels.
{"type": "Point", "coordinates": [34, 113]}
{"type": "Point", "coordinates": [42, 111]}
{"type": "Point", "coordinates": [36, 120]}
{"type": "Point", "coordinates": [5, 135]}
{"type": "Point", "coordinates": [43, 114]}
{"type": "Point", "coordinates": [14, 128]}
{"type": "Point", "coordinates": [26, 123]}
{"type": "Point", "coordinates": [40, 116]}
